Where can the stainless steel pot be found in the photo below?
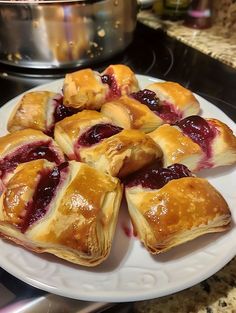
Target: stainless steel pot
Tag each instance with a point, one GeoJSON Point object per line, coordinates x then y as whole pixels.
{"type": "Point", "coordinates": [65, 34]}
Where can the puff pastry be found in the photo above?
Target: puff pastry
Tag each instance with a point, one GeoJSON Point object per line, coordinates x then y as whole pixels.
{"type": "Point", "coordinates": [120, 79]}
{"type": "Point", "coordinates": [32, 111]}
{"type": "Point", "coordinates": [176, 211]}
{"type": "Point", "coordinates": [68, 210]}
{"type": "Point", "coordinates": [23, 146]}
{"type": "Point", "coordinates": [38, 110]}
{"type": "Point", "coordinates": [196, 142]}
{"type": "Point", "coordinates": [129, 113]}
{"type": "Point", "coordinates": [88, 89]}
{"type": "Point", "coordinates": [92, 138]}
{"type": "Point", "coordinates": [149, 108]}
{"type": "Point", "coordinates": [176, 102]}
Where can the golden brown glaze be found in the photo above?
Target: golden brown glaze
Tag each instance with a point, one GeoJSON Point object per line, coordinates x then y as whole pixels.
{"type": "Point", "coordinates": [76, 124]}
{"type": "Point", "coordinates": [80, 220]}
{"type": "Point", "coordinates": [125, 78]}
{"type": "Point", "coordinates": [129, 113]}
{"type": "Point", "coordinates": [225, 134]}
{"type": "Point", "coordinates": [121, 154]}
{"type": "Point", "coordinates": [84, 89]}
{"type": "Point", "coordinates": [15, 145]}
{"type": "Point", "coordinates": [31, 111]}
{"type": "Point", "coordinates": [177, 147]}
{"type": "Point", "coordinates": [17, 139]}
{"type": "Point", "coordinates": [183, 99]}
{"type": "Point", "coordinates": [81, 217]}
{"type": "Point", "coordinates": [180, 211]}
{"type": "Point", "coordinates": [80, 210]}
{"type": "Point", "coordinates": [20, 190]}
{"type": "Point", "coordinates": [197, 204]}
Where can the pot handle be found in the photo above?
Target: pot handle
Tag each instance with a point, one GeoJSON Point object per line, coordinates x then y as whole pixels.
{"type": "Point", "coordinates": [145, 4]}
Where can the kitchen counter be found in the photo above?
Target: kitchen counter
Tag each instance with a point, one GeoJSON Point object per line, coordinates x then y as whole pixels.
{"type": "Point", "coordinates": [215, 295]}
{"type": "Point", "coordinates": [215, 41]}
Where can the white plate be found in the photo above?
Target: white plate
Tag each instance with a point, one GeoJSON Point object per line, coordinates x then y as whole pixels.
{"type": "Point", "coordinates": [130, 273]}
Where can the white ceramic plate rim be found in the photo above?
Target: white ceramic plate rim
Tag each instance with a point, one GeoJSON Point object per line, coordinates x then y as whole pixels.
{"type": "Point", "coordinates": [137, 275]}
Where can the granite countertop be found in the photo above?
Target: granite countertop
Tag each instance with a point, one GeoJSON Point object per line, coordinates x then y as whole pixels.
{"type": "Point", "coordinates": [217, 294]}
{"type": "Point", "coordinates": [215, 41]}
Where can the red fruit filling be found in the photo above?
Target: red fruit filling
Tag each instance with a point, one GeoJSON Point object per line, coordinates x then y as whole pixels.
{"type": "Point", "coordinates": [96, 133]}
{"type": "Point", "coordinates": [200, 131]}
{"type": "Point", "coordinates": [147, 97]}
{"type": "Point", "coordinates": [61, 111]}
{"type": "Point", "coordinates": [156, 178]}
{"type": "Point", "coordinates": [114, 90]}
{"type": "Point", "coordinates": [163, 109]}
{"type": "Point", "coordinates": [37, 208]}
{"type": "Point", "coordinates": [167, 112]}
{"type": "Point", "coordinates": [39, 150]}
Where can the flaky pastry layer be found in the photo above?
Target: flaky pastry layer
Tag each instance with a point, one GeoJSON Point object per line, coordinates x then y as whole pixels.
{"type": "Point", "coordinates": [79, 221]}
{"type": "Point", "coordinates": [180, 211]}
{"type": "Point", "coordinates": [84, 89]}
{"type": "Point", "coordinates": [122, 154]}
{"type": "Point", "coordinates": [14, 146]}
{"type": "Point", "coordinates": [34, 110]}
{"type": "Point", "coordinates": [178, 147]}
{"type": "Point", "coordinates": [125, 79]}
{"type": "Point", "coordinates": [129, 113]}
{"type": "Point", "coordinates": [181, 98]}
{"type": "Point", "coordinates": [117, 155]}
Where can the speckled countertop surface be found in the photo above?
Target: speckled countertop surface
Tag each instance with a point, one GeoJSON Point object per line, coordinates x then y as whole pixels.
{"type": "Point", "coordinates": [217, 294]}
{"type": "Point", "coordinates": [215, 41]}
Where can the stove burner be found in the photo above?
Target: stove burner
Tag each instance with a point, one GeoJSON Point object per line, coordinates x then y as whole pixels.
{"type": "Point", "coordinates": [153, 60]}
{"type": "Point", "coordinates": [151, 53]}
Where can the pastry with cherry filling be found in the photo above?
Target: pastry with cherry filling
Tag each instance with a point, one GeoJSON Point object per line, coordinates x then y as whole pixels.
{"type": "Point", "coordinates": [129, 113]}
{"type": "Point", "coordinates": [149, 108]}
{"type": "Point", "coordinates": [69, 210]}
{"type": "Point", "coordinates": [176, 101]}
{"type": "Point", "coordinates": [197, 142]}
{"type": "Point", "coordinates": [169, 206]}
{"type": "Point", "coordinates": [39, 110]}
{"type": "Point", "coordinates": [88, 89]}
{"type": "Point", "coordinates": [24, 146]}
{"type": "Point", "coordinates": [91, 137]}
